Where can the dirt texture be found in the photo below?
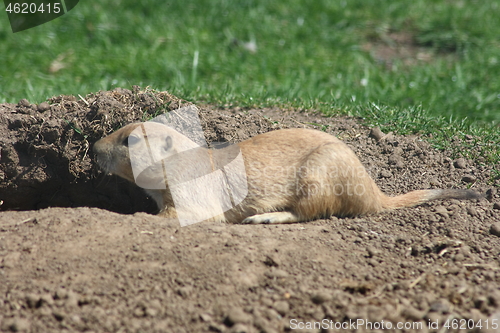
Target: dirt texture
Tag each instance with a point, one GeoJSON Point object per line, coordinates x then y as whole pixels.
{"type": "Point", "coordinates": [81, 251]}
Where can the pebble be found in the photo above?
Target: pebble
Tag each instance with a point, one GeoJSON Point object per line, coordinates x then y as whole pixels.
{"type": "Point", "coordinates": [441, 210]}
{"type": "Point", "coordinates": [496, 205]}
{"type": "Point", "coordinates": [206, 317]}
{"type": "Point", "coordinates": [282, 307]}
{"type": "Point", "coordinates": [372, 251]}
{"type": "Point", "coordinates": [494, 298]}
{"type": "Point", "coordinates": [61, 293]}
{"type": "Point", "coordinates": [495, 229]}
{"type": "Point", "coordinates": [59, 316]}
{"type": "Point", "coordinates": [272, 314]}
{"type": "Point", "coordinates": [32, 300]}
{"type": "Point", "coordinates": [216, 328]}
{"type": "Point", "coordinates": [460, 163]}
{"type": "Point", "coordinates": [237, 316]}
{"type": "Point", "coordinates": [440, 306]}
{"type": "Point", "coordinates": [272, 260]}
{"type": "Point", "coordinates": [276, 273]}
{"type": "Point", "coordinates": [24, 102]}
{"type": "Point", "coordinates": [472, 211]}
{"type": "Point", "coordinates": [385, 174]}
{"type": "Point", "coordinates": [395, 159]}
{"type": "Point", "coordinates": [376, 133]}
{"type": "Point", "coordinates": [320, 298]}
{"type": "Point", "coordinates": [18, 325]}
{"type": "Point", "coordinates": [72, 299]}
{"type": "Point", "coordinates": [434, 182]}
{"type": "Point", "coordinates": [480, 303]}
{"type": "Point", "coordinates": [185, 292]}
{"type": "Point", "coordinates": [42, 107]}
{"type": "Point", "coordinates": [469, 179]}
{"type": "Point", "coordinates": [11, 259]}
{"type": "Point", "coordinates": [239, 328]}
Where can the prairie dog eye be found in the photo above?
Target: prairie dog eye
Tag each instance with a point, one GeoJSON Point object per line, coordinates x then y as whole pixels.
{"type": "Point", "coordinates": [131, 140]}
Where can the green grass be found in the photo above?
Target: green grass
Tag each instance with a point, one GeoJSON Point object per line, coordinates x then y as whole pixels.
{"type": "Point", "coordinates": [309, 55]}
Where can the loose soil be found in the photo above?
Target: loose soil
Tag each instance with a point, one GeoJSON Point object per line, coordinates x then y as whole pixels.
{"type": "Point", "coordinates": [82, 251]}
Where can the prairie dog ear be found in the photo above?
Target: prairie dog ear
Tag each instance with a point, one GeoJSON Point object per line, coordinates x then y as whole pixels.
{"type": "Point", "coordinates": [168, 143]}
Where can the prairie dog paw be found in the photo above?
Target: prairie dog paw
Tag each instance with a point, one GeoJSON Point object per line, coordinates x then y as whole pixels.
{"type": "Point", "coordinates": [271, 218]}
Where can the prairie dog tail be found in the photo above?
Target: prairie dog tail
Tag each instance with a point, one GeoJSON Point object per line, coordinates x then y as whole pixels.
{"type": "Point", "coordinates": [418, 197]}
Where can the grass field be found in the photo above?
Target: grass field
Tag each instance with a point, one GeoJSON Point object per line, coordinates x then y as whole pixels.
{"type": "Point", "coordinates": [409, 66]}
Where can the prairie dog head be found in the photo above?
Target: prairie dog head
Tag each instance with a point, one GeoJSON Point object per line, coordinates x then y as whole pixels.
{"type": "Point", "coordinates": [135, 152]}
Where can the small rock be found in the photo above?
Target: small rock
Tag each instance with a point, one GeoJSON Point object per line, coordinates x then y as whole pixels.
{"type": "Point", "coordinates": [441, 306]}
{"type": "Point", "coordinates": [494, 298]}
{"type": "Point", "coordinates": [237, 316]}
{"type": "Point", "coordinates": [320, 298]}
{"type": "Point", "coordinates": [61, 293]}
{"type": "Point", "coordinates": [45, 300]}
{"type": "Point", "coordinates": [239, 328]}
{"type": "Point", "coordinates": [434, 182]}
{"type": "Point", "coordinates": [206, 317]}
{"type": "Point", "coordinates": [216, 328]}
{"type": "Point", "coordinates": [472, 211]}
{"type": "Point", "coordinates": [480, 303]}
{"type": "Point", "coordinates": [18, 325]}
{"type": "Point", "coordinates": [372, 252]}
{"type": "Point", "coordinates": [32, 300]}
{"type": "Point", "coordinates": [385, 174]}
{"type": "Point", "coordinates": [24, 102]}
{"type": "Point", "coordinates": [72, 299]}
{"type": "Point", "coordinates": [395, 159]}
{"type": "Point", "coordinates": [490, 194]}
{"type": "Point", "coordinates": [282, 307]}
{"type": "Point", "coordinates": [276, 273]}
{"type": "Point", "coordinates": [42, 107]}
{"type": "Point", "coordinates": [272, 260]}
{"type": "Point", "coordinates": [469, 179]}
{"type": "Point", "coordinates": [495, 229]}
{"type": "Point", "coordinates": [260, 322]}
{"type": "Point", "coordinates": [59, 316]}
{"type": "Point", "coordinates": [185, 292]}
{"type": "Point", "coordinates": [376, 133]}
{"type": "Point", "coordinates": [151, 312]}
{"type": "Point", "coordinates": [441, 210]}
{"type": "Point", "coordinates": [496, 205]}
{"type": "Point", "coordinates": [460, 163]}
{"type": "Point", "coordinates": [11, 259]}
{"type": "Point", "coordinates": [272, 314]}
{"type": "Point", "coordinates": [398, 151]}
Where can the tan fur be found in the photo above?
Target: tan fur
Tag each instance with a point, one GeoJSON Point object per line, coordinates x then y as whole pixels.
{"type": "Point", "coordinates": [293, 175]}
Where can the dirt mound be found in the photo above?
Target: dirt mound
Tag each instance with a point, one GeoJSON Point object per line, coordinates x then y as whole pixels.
{"type": "Point", "coordinates": [90, 269]}
{"type": "Point", "coordinates": [46, 156]}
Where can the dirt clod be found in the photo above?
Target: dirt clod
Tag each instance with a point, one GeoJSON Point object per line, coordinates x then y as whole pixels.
{"type": "Point", "coordinates": [460, 163]}
{"type": "Point", "coordinates": [469, 179]}
{"type": "Point", "coordinates": [237, 316]}
{"type": "Point", "coordinates": [376, 133]}
{"type": "Point", "coordinates": [495, 229]}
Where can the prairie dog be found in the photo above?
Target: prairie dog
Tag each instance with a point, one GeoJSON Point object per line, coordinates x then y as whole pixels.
{"type": "Point", "coordinates": [291, 175]}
